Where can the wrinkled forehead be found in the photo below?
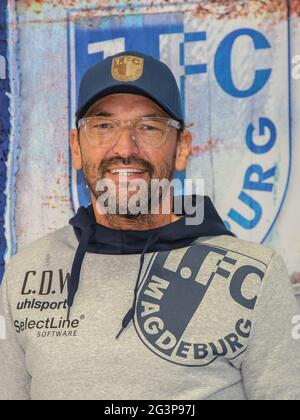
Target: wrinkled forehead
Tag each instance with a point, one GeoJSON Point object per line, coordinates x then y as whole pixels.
{"type": "Point", "coordinates": [120, 102]}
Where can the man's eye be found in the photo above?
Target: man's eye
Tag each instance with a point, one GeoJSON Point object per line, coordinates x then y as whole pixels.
{"type": "Point", "coordinates": [103, 126]}
{"type": "Point", "coordinates": [149, 128]}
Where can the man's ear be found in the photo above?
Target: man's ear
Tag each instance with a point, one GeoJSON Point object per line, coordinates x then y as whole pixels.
{"type": "Point", "coordinates": [184, 150]}
{"type": "Point", "coordinates": [75, 149]}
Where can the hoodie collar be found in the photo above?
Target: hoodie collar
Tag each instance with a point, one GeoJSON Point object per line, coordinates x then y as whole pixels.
{"type": "Point", "coordinates": [179, 234]}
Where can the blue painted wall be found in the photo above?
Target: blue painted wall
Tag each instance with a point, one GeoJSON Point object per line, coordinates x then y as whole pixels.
{"type": "Point", "coordinates": [4, 125]}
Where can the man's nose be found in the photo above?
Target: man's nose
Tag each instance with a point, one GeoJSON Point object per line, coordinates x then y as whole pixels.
{"type": "Point", "coordinates": [125, 146]}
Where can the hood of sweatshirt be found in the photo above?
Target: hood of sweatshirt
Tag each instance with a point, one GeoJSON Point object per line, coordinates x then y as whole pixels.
{"type": "Point", "coordinates": [98, 239]}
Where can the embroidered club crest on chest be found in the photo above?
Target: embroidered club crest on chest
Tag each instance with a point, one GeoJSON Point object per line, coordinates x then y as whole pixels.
{"type": "Point", "coordinates": [196, 304]}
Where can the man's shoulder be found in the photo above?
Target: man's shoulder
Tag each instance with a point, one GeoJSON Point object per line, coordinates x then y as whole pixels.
{"type": "Point", "coordinates": [45, 249]}
{"type": "Point", "coordinates": [60, 237]}
{"type": "Point", "coordinates": [243, 248]}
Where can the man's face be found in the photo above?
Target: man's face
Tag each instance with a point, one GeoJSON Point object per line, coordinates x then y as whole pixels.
{"type": "Point", "coordinates": [99, 164]}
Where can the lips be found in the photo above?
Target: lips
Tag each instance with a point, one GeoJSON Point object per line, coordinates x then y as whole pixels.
{"type": "Point", "coordinates": [129, 171]}
{"type": "Point", "coordinates": [116, 174]}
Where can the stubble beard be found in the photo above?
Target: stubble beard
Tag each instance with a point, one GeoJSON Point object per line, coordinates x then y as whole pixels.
{"type": "Point", "coordinates": [117, 219]}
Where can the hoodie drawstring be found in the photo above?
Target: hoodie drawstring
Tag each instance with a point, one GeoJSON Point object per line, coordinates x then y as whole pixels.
{"type": "Point", "coordinates": [73, 284]}
{"type": "Point", "coordinates": [130, 314]}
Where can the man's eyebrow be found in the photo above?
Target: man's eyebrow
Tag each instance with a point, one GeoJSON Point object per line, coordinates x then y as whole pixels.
{"type": "Point", "coordinates": [103, 114]}
{"type": "Point", "coordinates": [158, 115]}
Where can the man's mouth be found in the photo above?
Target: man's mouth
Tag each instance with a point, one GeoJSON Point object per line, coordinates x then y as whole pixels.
{"type": "Point", "coordinates": [129, 173]}
{"type": "Point", "coordinates": [126, 171]}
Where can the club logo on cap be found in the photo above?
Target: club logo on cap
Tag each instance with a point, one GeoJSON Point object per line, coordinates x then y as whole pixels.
{"type": "Point", "coordinates": [127, 68]}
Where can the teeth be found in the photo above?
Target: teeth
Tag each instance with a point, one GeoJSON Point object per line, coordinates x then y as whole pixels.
{"type": "Point", "coordinates": [126, 171]}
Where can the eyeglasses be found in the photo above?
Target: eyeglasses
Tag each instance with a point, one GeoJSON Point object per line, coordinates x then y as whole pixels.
{"type": "Point", "coordinates": [145, 132]}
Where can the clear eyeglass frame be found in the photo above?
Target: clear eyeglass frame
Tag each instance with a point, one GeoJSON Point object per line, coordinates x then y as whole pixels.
{"type": "Point", "coordinates": [169, 123]}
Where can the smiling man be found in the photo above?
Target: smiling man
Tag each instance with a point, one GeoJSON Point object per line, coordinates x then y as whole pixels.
{"type": "Point", "coordinates": [141, 304]}
{"type": "Point", "coordinates": [149, 149]}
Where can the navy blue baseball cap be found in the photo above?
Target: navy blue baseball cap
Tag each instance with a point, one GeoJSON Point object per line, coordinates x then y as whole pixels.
{"type": "Point", "coordinates": [131, 72]}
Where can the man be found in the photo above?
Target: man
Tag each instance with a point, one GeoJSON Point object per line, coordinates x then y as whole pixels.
{"type": "Point", "coordinates": [136, 304]}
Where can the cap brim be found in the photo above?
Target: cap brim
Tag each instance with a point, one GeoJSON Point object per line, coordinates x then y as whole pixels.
{"type": "Point", "coordinates": [125, 89]}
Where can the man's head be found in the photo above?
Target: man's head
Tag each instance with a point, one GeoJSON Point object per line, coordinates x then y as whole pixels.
{"type": "Point", "coordinates": [129, 151]}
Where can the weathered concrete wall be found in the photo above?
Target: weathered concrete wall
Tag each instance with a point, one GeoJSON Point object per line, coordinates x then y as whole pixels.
{"type": "Point", "coordinates": [52, 42]}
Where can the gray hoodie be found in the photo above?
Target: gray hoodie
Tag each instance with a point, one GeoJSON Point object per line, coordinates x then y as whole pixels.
{"type": "Point", "coordinates": [176, 313]}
